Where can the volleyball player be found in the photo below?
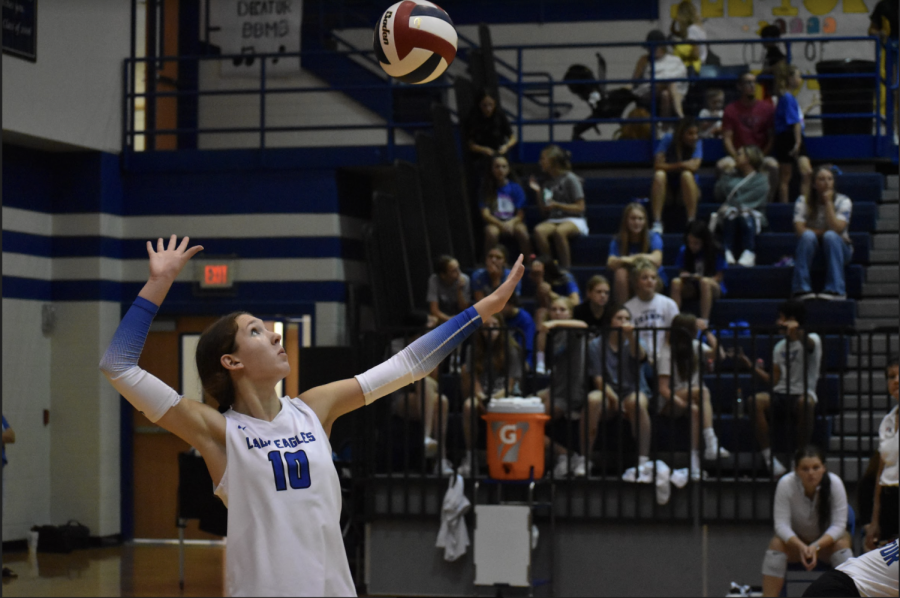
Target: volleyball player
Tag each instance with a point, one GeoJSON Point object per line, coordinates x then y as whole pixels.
{"type": "Point", "coordinates": [269, 457]}
{"type": "Point", "coordinates": [873, 574]}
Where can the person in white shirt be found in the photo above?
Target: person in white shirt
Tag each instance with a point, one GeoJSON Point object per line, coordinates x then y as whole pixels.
{"type": "Point", "coordinates": [872, 574]}
{"type": "Point", "coordinates": [270, 457]}
{"type": "Point", "coordinates": [649, 308]}
{"type": "Point", "coordinates": [810, 514]}
{"type": "Point", "coordinates": [680, 386]}
{"type": "Point", "coordinates": [796, 360]}
{"type": "Point", "coordinates": [822, 223]}
{"type": "Point", "coordinates": [885, 505]}
{"type": "Point", "coordinates": [714, 108]}
{"type": "Point", "coordinates": [665, 66]}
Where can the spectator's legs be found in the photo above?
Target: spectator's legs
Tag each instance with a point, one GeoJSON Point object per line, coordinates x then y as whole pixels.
{"type": "Point", "coordinates": [542, 233]}
{"type": "Point", "coordinates": [785, 171]}
{"type": "Point", "coordinates": [709, 292]}
{"type": "Point", "coordinates": [729, 227]}
{"type": "Point", "coordinates": [690, 194]}
{"type": "Point", "coordinates": [675, 291]}
{"type": "Point", "coordinates": [748, 232]}
{"type": "Point", "coordinates": [521, 235]}
{"type": "Point", "coordinates": [468, 432]}
{"type": "Point", "coordinates": [564, 231]}
{"type": "Point", "coordinates": [805, 175]}
{"type": "Point", "coordinates": [597, 411]}
{"type": "Point", "coordinates": [491, 235]}
{"type": "Point", "coordinates": [762, 402]}
{"type": "Point", "coordinates": [658, 191]}
{"type": "Point", "coordinates": [806, 251]}
{"type": "Point", "coordinates": [640, 421]}
{"type": "Point", "coordinates": [837, 254]}
{"type": "Point", "coordinates": [622, 285]}
{"type": "Point", "coordinates": [806, 419]}
{"type": "Point", "coordinates": [772, 584]}
{"type": "Point", "coordinates": [770, 165]}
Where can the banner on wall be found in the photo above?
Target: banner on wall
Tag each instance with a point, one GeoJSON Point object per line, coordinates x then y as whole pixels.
{"type": "Point", "coordinates": [253, 27]}
{"type": "Point", "coordinates": [20, 28]}
{"type": "Point", "coordinates": [743, 19]}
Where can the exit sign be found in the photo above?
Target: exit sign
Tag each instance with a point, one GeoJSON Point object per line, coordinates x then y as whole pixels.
{"type": "Point", "coordinates": [215, 274]}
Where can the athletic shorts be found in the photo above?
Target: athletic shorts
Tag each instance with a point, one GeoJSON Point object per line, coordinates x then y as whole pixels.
{"type": "Point", "coordinates": [890, 512]}
{"type": "Point", "coordinates": [784, 143]}
{"type": "Point", "coordinates": [832, 583]}
{"type": "Point", "coordinates": [673, 180]}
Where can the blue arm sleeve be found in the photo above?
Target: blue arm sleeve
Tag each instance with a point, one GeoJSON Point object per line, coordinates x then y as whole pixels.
{"type": "Point", "coordinates": [128, 341]}
{"type": "Point", "coordinates": [419, 358]}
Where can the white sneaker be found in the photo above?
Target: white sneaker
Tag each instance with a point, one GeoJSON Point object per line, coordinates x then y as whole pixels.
{"type": "Point", "coordinates": [431, 447]}
{"type": "Point", "coordinates": [710, 453]}
{"type": "Point", "coordinates": [777, 468]}
{"type": "Point", "coordinates": [747, 259]}
{"type": "Point", "coordinates": [465, 467]}
{"type": "Point", "coordinates": [443, 468]}
{"type": "Point", "coordinates": [561, 470]}
{"type": "Point", "coordinates": [579, 466]}
{"type": "Point", "coordinates": [645, 473]}
{"type": "Point", "coordinates": [540, 369]}
{"type": "Point", "coordinates": [658, 227]}
{"type": "Point", "coordinates": [729, 257]}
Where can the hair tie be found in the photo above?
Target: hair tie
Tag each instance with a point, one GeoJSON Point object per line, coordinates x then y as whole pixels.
{"type": "Point", "coordinates": [836, 170]}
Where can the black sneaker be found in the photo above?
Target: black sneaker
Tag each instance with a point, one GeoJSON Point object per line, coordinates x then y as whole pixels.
{"type": "Point", "coordinates": [831, 296]}
{"type": "Point", "coordinates": [804, 296]}
{"type": "Point", "coordinates": [9, 573]}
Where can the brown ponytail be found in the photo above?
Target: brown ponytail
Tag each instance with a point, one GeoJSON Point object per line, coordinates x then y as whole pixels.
{"type": "Point", "coordinates": [219, 339]}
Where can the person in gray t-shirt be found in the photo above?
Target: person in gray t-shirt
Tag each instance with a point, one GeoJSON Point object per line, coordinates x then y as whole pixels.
{"type": "Point", "coordinates": [614, 366]}
{"type": "Point", "coordinates": [561, 201]}
{"type": "Point", "coordinates": [448, 290]}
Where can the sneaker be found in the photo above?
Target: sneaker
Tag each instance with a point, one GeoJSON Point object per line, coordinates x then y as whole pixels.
{"type": "Point", "coordinates": [645, 473]}
{"type": "Point", "coordinates": [658, 227]}
{"type": "Point", "coordinates": [777, 468]}
{"type": "Point", "coordinates": [696, 474]}
{"type": "Point", "coordinates": [540, 369]}
{"type": "Point", "coordinates": [465, 467]}
{"type": "Point", "coordinates": [729, 257]}
{"type": "Point", "coordinates": [443, 468]}
{"type": "Point", "coordinates": [561, 470]}
{"type": "Point", "coordinates": [579, 466]}
{"type": "Point", "coordinates": [804, 296]}
{"type": "Point", "coordinates": [747, 259]}
{"type": "Point", "coordinates": [831, 296]}
{"type": "Point", "coordinates": [431, 447]}
{"type": "Point", "coordinates": [9, 573]}
{"type": "Point", "coordinates": [710, 453]}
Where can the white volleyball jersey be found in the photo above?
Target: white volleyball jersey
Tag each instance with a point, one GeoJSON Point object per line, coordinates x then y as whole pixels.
{"type": "Point", "coordinates": [284, 506]}
{"type": "Point", "coordinates": [875, 573]}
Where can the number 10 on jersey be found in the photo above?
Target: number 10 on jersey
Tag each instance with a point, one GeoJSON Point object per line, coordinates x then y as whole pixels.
{"type": "Point", "coordinates": [297, 469]}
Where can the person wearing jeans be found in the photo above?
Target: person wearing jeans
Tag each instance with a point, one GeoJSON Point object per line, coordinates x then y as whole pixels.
{"type": "Point", "coordinates": [822, 222]}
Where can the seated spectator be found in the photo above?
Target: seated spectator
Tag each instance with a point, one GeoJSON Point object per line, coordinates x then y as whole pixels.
{"type": "Point", "coordinates": [503, 207]}
{"type": "Point", "coordinates": [688, 25]}
{"type": "Point", "coordinates": [883, 527]}
{"type": "Point", "coordinates": [409, 403]}
{"type": "Point", "coordinates": [486, 280]}
{"type": "Point", "coordinates": [810, 513]}
{"type": "Point", "coordinates": [614, 365]}
{"type": "Point", "coordinates": [822, 221]}
{"type": "Point", "coordinates": [497, 367]}
{"type": "Point", "coordinates": [521, 325]}
{"type": "Point", "coordinates": [701, 267]}
{"type": "Point", "coordinates": [595, 311]}
{"type": "Point", "coordinates": [567, 400]}
{"type": "Point", "coordinates": [649, 309]}
{"type": "Point", "coordinates": [789, 125]}
{"type": "Point", "coordinates": [550, 283]}
{"type": "Point", "coordinates": [560, 199]}
{"type": "Point", "coordinates": [665, 66]}
{"type": "Point", "coordinates": [448, 289]}
{"type": "Point", "coordinates": [748, 121]}
{"type": "Point", "coordinates": [743, 192]}
{"type": "Point", "coordinates": [487, 134]}
{"type": "Point", "coordinates": [680, 387]}
{"type": "Point", "coordinates": [634, 241]}
{"type": "Point", "coordinates": [678, 158]}
{"type": "Point", "coordinates": [788, 383]}
{"type": "Point", "coordinates": [714, 104]}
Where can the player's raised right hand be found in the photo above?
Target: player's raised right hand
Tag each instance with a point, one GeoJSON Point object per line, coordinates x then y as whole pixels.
{"type": "Point", "coordinates": [167, 262]}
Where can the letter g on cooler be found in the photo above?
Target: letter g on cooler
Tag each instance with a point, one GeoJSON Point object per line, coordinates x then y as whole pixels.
{"type": "Point", "coordinates": [508, 434]}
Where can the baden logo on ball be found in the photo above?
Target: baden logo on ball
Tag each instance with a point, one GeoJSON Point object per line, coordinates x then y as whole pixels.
{"type": "Point", "coordinates": [415, 41]}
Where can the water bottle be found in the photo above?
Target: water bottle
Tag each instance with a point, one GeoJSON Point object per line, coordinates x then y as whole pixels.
{"type": "Point", "coordinates": [739, 404]}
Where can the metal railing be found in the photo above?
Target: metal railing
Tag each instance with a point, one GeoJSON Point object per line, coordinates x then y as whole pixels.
{"type": "Point", "coordinates": [397, 469]}
{"type": "Point", "coordinates": [387, 89]}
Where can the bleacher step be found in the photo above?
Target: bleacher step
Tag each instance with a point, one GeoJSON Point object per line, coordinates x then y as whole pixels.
{"type": "Point", "coordinates": [867, 324]}
{"type": "Point", "coordinates": [879, 344]}
{"type": "Point", "coordinates": [878, 308]}
{"type": "Point", "coordinates": [876, 274]}
{"type": "Point", "coordinates": [890, 195]}
{"type": "Point", "coordinates": [853, 384]}
{"type": "Point", "coordinates": [876, 361]}
{"type": "Point", "coordinates": [892, 181]}
{"type": "Point", "coordinates": [852, 423]}
{"type": "Point", "coordinates": [887, 225]}
{"type": "Point", "coordinates": [880, 403]}
{"type": "Point", "coordinates": [886, 242]}
{"type": "Point", "coordinates": [852, 468]}
{"type": "Point", "coordinates": [882, 289]}
{"type": "Point", "coordinates": [853, 444]}
{"type": "Point", "coordinates": [883, 256]}
{"type": "Point", "coordinates": [889, 211]}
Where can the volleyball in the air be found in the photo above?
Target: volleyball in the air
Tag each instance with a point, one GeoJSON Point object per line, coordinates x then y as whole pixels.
{"type": "Point", "coordinates": [415, 41]}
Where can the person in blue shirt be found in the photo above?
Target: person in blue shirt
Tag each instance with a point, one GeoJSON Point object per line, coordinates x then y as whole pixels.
{"type": "Point", "coordinates": [502, 204]}
{"type": "Point", "coordinates": [486, 280]}
{"type": "Point", "coordinates": [521, 324]}
{"type": "Point", "coordinates": [634, 241]}
{"type": "Point", "coordinates": [677, 159]}
{"type": "Point", "coordinates": [789, 147]}
{"type": "Point", "coordinates": [701, 266]}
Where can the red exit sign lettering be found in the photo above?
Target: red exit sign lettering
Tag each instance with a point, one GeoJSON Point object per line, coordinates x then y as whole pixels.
{"type": "Point", "coordinates": [216, 274]}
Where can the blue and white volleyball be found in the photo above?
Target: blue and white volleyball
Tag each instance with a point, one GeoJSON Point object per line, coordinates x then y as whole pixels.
{"type": "Point", "coordinates": [415, 41]}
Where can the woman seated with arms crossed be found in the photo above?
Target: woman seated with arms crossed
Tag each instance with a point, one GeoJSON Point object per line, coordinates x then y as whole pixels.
{"type": "Point", "coordinates": [269, 456]}
{"type": "Point", "coordinates": [810, 515]}
{"type": "Point", "coordinates": [743, 191]}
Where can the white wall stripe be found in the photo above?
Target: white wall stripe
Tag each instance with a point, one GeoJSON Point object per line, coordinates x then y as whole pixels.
{"type": "Point", "coordinates": [209, 226]}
